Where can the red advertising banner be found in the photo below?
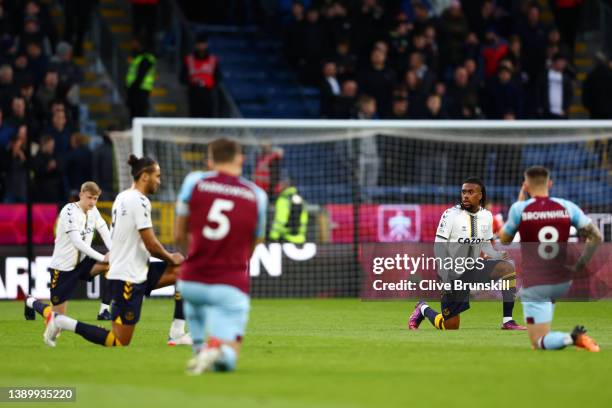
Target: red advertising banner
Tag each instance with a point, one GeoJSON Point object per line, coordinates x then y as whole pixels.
{"type": "Point", "coordinates": [13, 223]}
{"type": "Point", "coordinates": [387, 222]}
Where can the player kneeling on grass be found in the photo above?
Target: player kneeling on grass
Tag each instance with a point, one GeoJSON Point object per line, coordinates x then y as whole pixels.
{"type": "Point", "coordinates": [547, 221]}
{"type": "Point", "coordinates": [73, 257]}
{"type": "Point", "coordinates": [131, 275]}
{"type": "Point", "coordinates": [464, 232]}
{"type": "Point", "coordinates": [221, 217]}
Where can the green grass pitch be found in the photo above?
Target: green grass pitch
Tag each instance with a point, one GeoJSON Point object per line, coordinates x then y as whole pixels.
{"type": "Point", "coordinates": [320, 353]}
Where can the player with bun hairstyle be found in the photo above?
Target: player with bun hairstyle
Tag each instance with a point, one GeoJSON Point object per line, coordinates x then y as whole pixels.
{"type": "Point", "coordinates": [131, 274]}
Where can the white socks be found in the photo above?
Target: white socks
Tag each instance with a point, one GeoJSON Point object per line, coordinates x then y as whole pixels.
{"type": "Point", "coordinates": [506, 319]}
{"type": "Point", "coordinates": [177, 328]}
{"type": "Point", "coordinates": [30, 301]}
{"type": "Point", "coordinates": [65, 322]}
{"type": "Point", "coordinates": [423, 308]}
{"type": "Point", "coordinates": [103, 307]}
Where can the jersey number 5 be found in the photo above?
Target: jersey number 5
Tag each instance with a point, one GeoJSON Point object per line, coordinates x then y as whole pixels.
{"type": "Point", "coordinates": [216, 215]}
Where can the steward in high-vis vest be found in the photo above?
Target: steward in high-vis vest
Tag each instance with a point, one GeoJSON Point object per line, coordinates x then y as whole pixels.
{"type": "Point", "coordinates": [139, 80]}
{"type": "Point", "coordinates": [202, 74]}
{"type": "Point", "coordinates": [290, 218]}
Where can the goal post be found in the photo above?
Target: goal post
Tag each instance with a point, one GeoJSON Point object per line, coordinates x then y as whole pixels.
{"type": "Point", "coordinates": [375, 181]}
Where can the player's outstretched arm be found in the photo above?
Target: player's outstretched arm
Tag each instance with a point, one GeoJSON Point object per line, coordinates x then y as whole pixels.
{"type": "Point", "coordinates": [157, 249]}
{"type": "Point", "coordinates": [105, 234]}
{"type": "Point", "coordinates": [78, 242]}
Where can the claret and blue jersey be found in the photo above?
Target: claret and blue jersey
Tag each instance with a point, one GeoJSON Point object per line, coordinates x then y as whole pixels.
{"type": "Point", "coordinates": [546, 221]}
{"type": "Point", "coordinates": [227, 214]}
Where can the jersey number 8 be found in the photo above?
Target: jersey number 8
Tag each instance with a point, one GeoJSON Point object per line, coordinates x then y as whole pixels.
{"type": "Point", "coordinates": [216, 215]}
{"type": "Point", "coordinates": [548, 236]}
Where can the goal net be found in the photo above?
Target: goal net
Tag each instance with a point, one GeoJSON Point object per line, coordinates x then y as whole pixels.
{"type": "Point", "coordinates": [374, 181]}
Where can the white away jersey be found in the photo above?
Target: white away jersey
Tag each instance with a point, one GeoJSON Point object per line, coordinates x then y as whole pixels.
{"type": "Point", "coordinates": [459, 225]}
{"type": "Point", "coordinates": [72, 218]}
{"type": "Point", "coordinates": [129, 258]}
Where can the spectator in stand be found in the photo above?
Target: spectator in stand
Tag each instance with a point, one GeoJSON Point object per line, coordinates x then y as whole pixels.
{"type": "Point", "coordinates": [344, 105]}
{"type": "Point", "coordinates": [77, 16]}
{"type": "Point", "coordinates": [47, 92]}
{"type": "Point", "coordinates": [6, 132]}
{"type": "Point", "coordinates": [472, 48]}
{"type": "Point", "coordinates": [39, 12]}
{"type": "Point", "coordinates": [484, 20]}
{"type": "Point", "coordinates": [416, 94]}
{"type": "Point", "coordinates": [369, 26]}
{"type": "Point", "coordinates": [432, 49]}
{"type": "Point", "coordinates": [336, 26]}
{"type": "Point", "coordinates": [60, 132]}
{"type": "Point", "coordinates": [502, 97]}
{"type": "Point", "coordinates": [329, 89]}
{"type": "Point", "coordinates": [421, 44]}
{"type": "Point", "coordinates": [37, 61]}
{"type": "Point", "coordinates": [515, 55]}
{"type": "Point", "coordinates": [494, 50]}
{"type": "Point", "coordinates": [474, 76]}
{"type": "Point", "coordinates": [6, 23]}
{"type": "Point", "coordinates": [33, 108]}
{"type": "Point", "coordinates": [202, 74]}
{"type": "Point", "coordinates": [426, 77]}
{"type": "Point", "coordinates": [366, 108]}
{"type": "Point", "coordinates": [554, 40]}
{"type": "Point", "coordinates": [597, 88]}
{"type": "Point", "coordinates": [555, 90]}
{"type": "Point", "coordinates": [346, 61]}
{"type": "Point", "coordinates": [14, 162]}
{"type": "Point", "coordinates": [378, 81]}
{"type": "Point", "coordinates": [399, 109]}
{"type": "Point", "coordinates": [294, 36]}
{"type": "Point", "coordinates": [58, 105]}
{"type": "Point", "coordinates": [139, 79]}
{"type": "Point", "coordinates": [70, 77]}
{"type": "Point", "coordinates": [22, 71]}
{"type": "Point", "coordinates": [47, 175]}
{"type": "Point", "coordinates": [433, 108]}
{"type": "Point", "coordinates": [7, 87]}
{"type": "Point", "coordinates": [102, 167]}
{"type": "Point", "coordinates": [461, 94]}
{"type": "Point", "coordinates": [399, 40]}
{"type": "Point", "coordinates": [32, 33]}
{"type": "Point", "coordinates": [18, 116]}
{"type": "Point", "coordinates": [422, 17]}
{"type": "Point", "coordinates": [568, 15]}
{"type": "Point", "coordinates": [77, 163]}
{"type": "Point", "coordinates": [533, 33]}
{"type": "Point", "coordinates": [312, 48]}
{"type": "Point", "coordinates": [453, 32]}
{"type": "Point", "coordinates": [144, 21]}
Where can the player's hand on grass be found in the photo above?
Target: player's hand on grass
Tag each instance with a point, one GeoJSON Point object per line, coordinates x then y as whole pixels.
{"type": "Point", "coordinates": [177, 258]}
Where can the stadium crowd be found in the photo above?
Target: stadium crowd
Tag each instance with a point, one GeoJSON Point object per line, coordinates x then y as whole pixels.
{"type": "Point", "coordinates": [39, 106]}
{"type": "Point", "coordinates": [435, 59]}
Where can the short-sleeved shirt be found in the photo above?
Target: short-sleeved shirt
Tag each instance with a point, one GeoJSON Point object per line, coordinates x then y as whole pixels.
{"type": "Point", "coordinates": [547, 221]}
{"type": "Point", "coordinates": [461, 234]}
{"type": "Point", "coordinates": [227, 214]}
{"type": "Point", "coordinates": [72, 218]}
{"type": "Point", "coordinates": [129, 258]}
